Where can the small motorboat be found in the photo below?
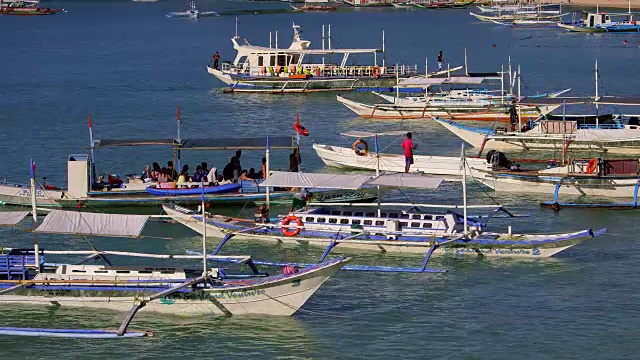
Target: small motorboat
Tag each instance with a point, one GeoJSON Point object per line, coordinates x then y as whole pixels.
{"type": "Point", "coordinates": [192, 13]}
{"type": "Point", "coordinates": [24, 9]}
{"type": "Point", "coordinates": [216, 189]}
{"type": "Point", "coordinates": [316, 6]}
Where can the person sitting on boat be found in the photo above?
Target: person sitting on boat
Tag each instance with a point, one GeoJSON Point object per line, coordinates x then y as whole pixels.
{"type": "Point", "coordinates": [252, 174]}
{"type": "Point", "coordinates": [198, 175]}
{"type": "Point", "coordinates": [213, 177]}
{"type": "Point", "coordinates": [171, 173]}
{"type": "Point", "coordinates": [162, 176]}
{"type": "Point", "coordinates": [300, 199]}
{"type": "Point", "coordinates": [408, 147]}
{"type": "Point", "coordinates": [183, 179]}
{"type": "Point", "coordinates": [146, 173]}
{"type": "Point", "coordinates": [229, 169]}
{"type": "Point", "coordinates": [114, 180]}
{"type": "Point", "coordinates": [440, 61]}
{"type": "Point", "coordinates": [155, 171]}
{"type": "Point", "coordinates": [244, 176]}
{"type": "Point", "coordinates": [205, 168]}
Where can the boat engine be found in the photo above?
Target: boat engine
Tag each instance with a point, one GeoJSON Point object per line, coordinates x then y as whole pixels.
{"type": "Point", "coordinates": [498, 160]}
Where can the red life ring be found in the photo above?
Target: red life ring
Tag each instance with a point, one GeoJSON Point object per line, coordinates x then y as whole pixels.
{"type": "Point", "coordinates": [299, 128]}
{"type": "Point", "coordinates": [291, 232]}
{"type": "Point", "coordinates": [591, 166]}
{"type": "Point", "coordinates": [376, 71]}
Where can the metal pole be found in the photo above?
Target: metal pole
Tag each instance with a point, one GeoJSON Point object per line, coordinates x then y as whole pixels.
{"type": "Point", "coordinates": [34, 214]}
{"type": "Point", "coordinates": [519, 108]}
{"type": "Point", "coordinates": [378, 173]}
{"type": "Point", "coordinates": [397, 85]}
{"type": "Point", "coordinates": [236, 27]}
{"type": "Point", "coordinates": [464, 190]}
{"type": "Point", "coordinates": [276, 39]}
{"type": "Point", "coordinates": [92, 169]}
{"type": "Point", "coordinates": [266, 176]}
{"type": "Point", "coordinates": [466, 63]}
{"type": "Point", "coordinates": [329, 37]}
{"type": "Point", "coordinates": [502, 84]}
{"type": "Point", "coordinates": [564, 128]}
{"type": "Point", "coordinates": [597, 95]}
{"type": "Point", "coordinates": [204, 233]}
{"type": "Point", "coordinates": [384, 53]}
{"type": "Point", "coordinates": [178, 160]}
{"type": "Point", "coordinates": [270, 42]}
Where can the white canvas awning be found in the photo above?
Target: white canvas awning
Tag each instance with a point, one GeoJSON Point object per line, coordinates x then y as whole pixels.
{"type": "Point", "coordinates": [402, 180]}
{"type": "Point", "coordinates": [608, 135]}
{"type": "Point", "coordinates": [92, 224]}
{"type": "Point", "coordinates": [366, 134]}
{"type": "Point", "coordinates": [10, 218]}
{"type": "Point", "coordinates": [349, 182]}
{"type": "Point", "coordinates": [315, 180]}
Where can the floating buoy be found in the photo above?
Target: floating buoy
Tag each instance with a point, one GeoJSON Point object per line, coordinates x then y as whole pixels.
{"type": "Point", "coordinates": [493, 45]}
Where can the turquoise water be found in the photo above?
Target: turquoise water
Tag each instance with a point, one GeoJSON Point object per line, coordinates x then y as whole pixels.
{"type": "Point", "coordinates": [129, 67]}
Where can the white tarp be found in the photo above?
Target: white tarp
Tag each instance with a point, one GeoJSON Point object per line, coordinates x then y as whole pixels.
{"type": "Point", "coordinates": [12, 217]}
{"type": "Point", "coordinates": [366, 134]}
{"type": "Point", "coordinates": [350, 182]}
{"type": "Point", "coordinates": [402, 180]}
{"type": "Point", "coordinates": [315, 180]}
{"type": "Point", "coordinates": [92, 224]}
{"type": "Point", "coordinates": [426, 82]}
{"type": "Point", "coordinates": [608, 135]}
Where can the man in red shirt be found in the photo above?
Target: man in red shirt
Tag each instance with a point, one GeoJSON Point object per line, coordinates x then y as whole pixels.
{"type": "Point", "coordinates": [408, 147]}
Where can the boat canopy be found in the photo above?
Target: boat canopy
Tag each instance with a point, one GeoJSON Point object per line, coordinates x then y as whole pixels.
{"type": "Point", "coordinates": [266, 50]}
{"type": "Point", "coordinates": [349, 182]}
{"type": "Point", "coordinates": [249, 143]}
{"type": "Point", "coordinates": [430, 81]}
{"type": "Point", "coordinates": [607, 135]}
{"type": "Point", "coordinates": [366, 134]}
{"type": "Point", "coordinates": [92, 224]}
{"type": "Point", "coordinates": [10, 218]}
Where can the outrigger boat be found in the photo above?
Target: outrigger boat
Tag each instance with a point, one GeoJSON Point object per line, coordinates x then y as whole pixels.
{"type": "Point", "coordinates": [192, 13]}
{"type": "Point", "coordinates": [299, 68]}
{"type": "Point", "coordinates": [518, 16]}
{"type": "Point", "coordinates": [368, 3]}
{"type": "Point", "coordinates": [386, 230]}
{"type": "Point", "coordinates": [603, 22]}
{"type": "Point", "coordinates": [25, 8]}
{"type": "Point", "coordinates": [26, 279]}
{"type": "Point", "coordinates": [359, 157]}
{"type": "Point", "coordinates": [84, 190]}
{"type": "Point", "coordinates": [505, 8]}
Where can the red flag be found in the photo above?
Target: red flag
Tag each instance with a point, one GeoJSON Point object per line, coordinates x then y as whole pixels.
{"type": "Point", "coordinates": [178, 112]}
{"type": "Point", "coordinates": [89, 120]}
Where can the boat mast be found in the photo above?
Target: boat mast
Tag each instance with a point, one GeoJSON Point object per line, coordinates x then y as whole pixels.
{"type": "Point", "coordinates": [564, 129]}
{"type": "Point", "coordinates": [384, 53]}
{"type": "Point", "coordinates": [177, 151]}
{"type": "Point", "coordinates": [236, 28]}
{"type": "Point", "coordinates": [266, 176]}
{"type": "Point", "coordinates": [92, 169]}
{"type": "Point", "coordinates": [502, 84]}
{"type": "Point", "coordinates": [466, 63]}
{"type": "Point", "coordinates": [323, 41]}
{"type": "Point", "coordinates": [464, 189]}
{"type": "Point", "coordinates": [397, 85]}
{"type": "Point", "coordinates": [378, 174]}
{"type": "Point", "coordinates": [510, 76]}
{"type": "Point", "coordinates": [519, 108]}
{"type": "Point", "coordinates": [204, 232]}
{"type": "Point", "coordinates": [34, 213]}
{"type": "Point", "coordinates": [596, 79]}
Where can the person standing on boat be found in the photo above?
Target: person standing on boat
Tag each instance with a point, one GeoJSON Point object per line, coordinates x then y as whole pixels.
{"type": "Point", "coordinates": [440, 61]}
{"type": "Point", "coordinates": [216, 58]}
{"type": "Point", "coordinates": [513, 115]}
{"type": "Point", "coordinates": [172, 174]}
{"type": "Point", "coordinates": [408, 147]}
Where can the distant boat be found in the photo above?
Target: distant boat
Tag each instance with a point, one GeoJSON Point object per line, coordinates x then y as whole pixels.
{"type": "Point", "coordinates": [312, 5]}
{"type": "Point", "coordinates": [603, 22]}
{"type": "Point", "coordinates": [146, 1]}
{"type": "Point", "coordinates": [28, 7]}
{"type": "Point", "coordinates": [192, 13]}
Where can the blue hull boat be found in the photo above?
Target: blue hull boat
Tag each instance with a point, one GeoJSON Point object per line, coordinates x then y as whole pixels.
{"type": "Point", "coordinates": [219, 189]}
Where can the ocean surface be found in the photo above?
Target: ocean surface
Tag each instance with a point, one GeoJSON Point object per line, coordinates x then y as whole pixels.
{"type": "Point", "coordinates": [129, 67]}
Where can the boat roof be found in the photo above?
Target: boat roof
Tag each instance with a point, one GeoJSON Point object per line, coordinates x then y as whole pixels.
{"type": "Point", "coordinates": [350, 182]}
{"type": "Point", "coordinates": [366, 134]}
{"type": "Point", "coordinates": [92, 224]}
{"type": "Point", "coordinates": [263, 49]}
{"type": "Point", "coordinates": [602, 100]}
{"type": "Point", "coordinates": [421, 81]}
{"type": "Point", "coordinates": [246, 143]}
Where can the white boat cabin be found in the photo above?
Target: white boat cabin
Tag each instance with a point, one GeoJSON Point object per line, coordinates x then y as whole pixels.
{"type": "Point", "coordinates": [391, 223]}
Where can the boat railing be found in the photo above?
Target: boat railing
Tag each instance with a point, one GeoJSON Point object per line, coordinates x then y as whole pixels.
{"type": "Point", "coordinates": [322, 70]}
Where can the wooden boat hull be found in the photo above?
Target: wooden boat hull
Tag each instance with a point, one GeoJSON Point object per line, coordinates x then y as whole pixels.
{"type": "Point", "coordinates": [219, 227]}
{"type": "Point", "coordinates": [280, 296]}
{"type": "Point", "coordinates": [346, 158]}
{"type": "Point", "coordinates": [486, 139]}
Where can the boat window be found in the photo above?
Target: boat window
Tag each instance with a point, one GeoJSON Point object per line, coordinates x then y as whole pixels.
{"type": "Point", "coordinates": [100, 271]}
{"type": "Point", "coordinates": [370, 214]}
{"type": "Point", "coordinates": [294, 59]}
{"type": "Point", "coordinates": [379, 223]}
{"type": "Point", "coordinates": [321, 220]}
{"type": "Point", "coordinates": [415, 224]}
{"type": "Point", "coordinates": [404, 223]}
{"type": "Point", "coordinates": [260, 61]}
{"type": "Point", "coordinates": [416, 217]}
{"type": "Point", "coordinates": [334, 212]}
{"type": "Point", "coordinates": [428, 217]}
{"type": "Point", "coordinates": [347, 213]}
{"type": "Point", "coordinates": [383, 214]}
{"type": "Point", "coordinates": [333, 221]}
{"type": "Point", "coordinates": [308, 219]}
{"type": "Point", "coordinates": [427, 225]}
{"type": "Point", "coordinates": [393, 215]}
{"type": "Point", "coordinates": [344, 221]}
{"type": "Point", "coordinates": [145, 272]}
{"type": "Point", "coordinates": [439, 217]}
{"type": "Point", "coordinates": [404, 216]}
{"type": "Point", "coordinates": [368, 222]}
{"type": "Point", "coordinates": [355, 222]}
{"type": "Point", "coordinates": [358, 213]}
{"type": "Point", "coordinates": [272, 61]}
{"type": "Point", "coordinates": [167, 272]}
{"type": "Point", "coordinates": [79, 271]}
{"type": "Point", "coordinates": [282, 60]}
{"type": "Point", "coordinates": [123, 272]}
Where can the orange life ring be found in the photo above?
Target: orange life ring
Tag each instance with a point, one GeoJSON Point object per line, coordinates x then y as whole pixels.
{"type": "Point", "coordinates": [376, 71]}
{"type": "Point", "coordinates": [359, 152]}
{"type": "Point", "coordinates": [291, 232]}
{"type": "Point", "coordinates": [591, 166]}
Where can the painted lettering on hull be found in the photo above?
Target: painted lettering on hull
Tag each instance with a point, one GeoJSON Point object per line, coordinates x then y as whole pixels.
{"type": "Point", "coordinates": [506, 252]}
